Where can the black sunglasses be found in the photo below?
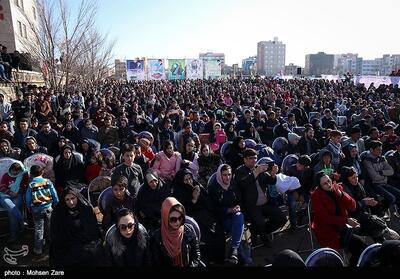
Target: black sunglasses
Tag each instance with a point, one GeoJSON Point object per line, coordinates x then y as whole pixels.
{"type": "Point", "coordinates": [123, 227]}
{"type": "Point", "coordinates": [175, 219]}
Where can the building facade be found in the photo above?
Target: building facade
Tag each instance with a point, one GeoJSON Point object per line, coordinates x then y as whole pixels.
{"type": "Point", "coordinates": [120, 69]}
{"type": "Point", "coordinates": [15, 23]}
{"type": "Point", "coordinates": [319, 64]}
{"type": "Point", "coordinates": [293, 70]}
{"type": "Point", "coordinates": [346, 63]}
{"type": "Point", "coordinates": [271, 56]}
{"type": "Point", "coordinates": [248, 64]}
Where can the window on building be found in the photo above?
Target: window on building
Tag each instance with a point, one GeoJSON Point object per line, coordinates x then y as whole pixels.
{"type": "Point", "coordinates": [25, 33]}
{"type": "Point", "coordinates": [17, 3]}
{"type": "Point", "coordinates": [20, 28]}
{"type": "Point", "coordinates": [34, 12]}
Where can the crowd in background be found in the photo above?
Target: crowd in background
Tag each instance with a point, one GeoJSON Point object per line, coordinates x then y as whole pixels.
{"type": "Point", "coordinates": [195, 163]}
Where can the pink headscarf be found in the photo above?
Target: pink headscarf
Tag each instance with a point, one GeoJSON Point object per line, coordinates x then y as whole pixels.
{"type": "Point", "coordinates": [172, 239]}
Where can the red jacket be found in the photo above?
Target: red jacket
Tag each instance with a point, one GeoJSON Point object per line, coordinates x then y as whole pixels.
{"type": "Point", "coordinates": [91, 172]}
{"type": "Point", "coordinates": [7, 180]}
{"type": "Point", "coordinates": [148, 153]}
{"type": "Point", "coordinates": [326, 224]}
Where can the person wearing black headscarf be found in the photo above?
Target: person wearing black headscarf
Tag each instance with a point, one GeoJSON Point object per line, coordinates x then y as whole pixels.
{"type": "Point", "coordinates": [150, 198]}
{"type": "Point", "coordinates": [194, 197]}
{"type": "Point", "coordinates": [230, 131]}
{"type": "Point", "coordinates": [234, 155]}
{"type": "Point", "coordinates": [68, 168]}
{"type": "Point", "coordinates": [74, 232]}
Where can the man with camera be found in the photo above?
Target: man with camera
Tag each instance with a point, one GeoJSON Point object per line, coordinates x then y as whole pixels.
{"type": "Point", "coordinates": [253, 181]}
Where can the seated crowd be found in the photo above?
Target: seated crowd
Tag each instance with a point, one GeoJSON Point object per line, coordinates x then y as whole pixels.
{"type": "Point", "coordinates": [174, 173]}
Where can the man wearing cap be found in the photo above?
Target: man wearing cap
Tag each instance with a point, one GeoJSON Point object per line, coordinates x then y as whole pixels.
{"type": "Point", "coordinates": [355, 138]}
{"type": "Point", "coordinates": [253, 182]}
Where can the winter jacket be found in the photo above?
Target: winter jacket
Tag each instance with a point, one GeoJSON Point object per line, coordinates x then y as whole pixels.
{"type": "Point", "coordinates": [133, 252]}
{"type": "Point", "coordinates": [247, 187]}
{"type": "Point", "coordinates": [167, 167]}
{"type": "Point", "coordinates": [148, 203]}
{"type": "Point", "coordinates": [134, 175]}
{"type": "Point", "coordinates": [40, 194]}
{"type": "Point", "coordinates": [190, 249]}
{"type": "Point", "coordinates": [221, 200]}
{"type": "Point", "coordinates": [112, 207]}
{"type": "Point", "coordinates": [377, 168]}
{"type": "Point", "coordinates": [326, 224]}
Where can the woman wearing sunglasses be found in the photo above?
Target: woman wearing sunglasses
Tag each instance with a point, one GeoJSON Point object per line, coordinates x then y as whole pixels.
{"type": "Point", "coordinates": [127, 243]}
{"type": "Point", "coordinates": [175, 244]}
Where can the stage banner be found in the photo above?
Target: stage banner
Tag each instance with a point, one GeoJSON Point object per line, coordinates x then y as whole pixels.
{"type": "Point", "coordinates": [331, 77]}
{"type": "Point", "coordinates": [377, 80]}
{"type": "Point", "coordinates": [194, 69]}
{"type": "Point", "coordinates": [135, 70]}
{"type": "Point", "coordinates": [213, 69]}
{"type": "Point", "coordinates": [156, 69]}
{"type": "Point", "coordinates": [176, 69]}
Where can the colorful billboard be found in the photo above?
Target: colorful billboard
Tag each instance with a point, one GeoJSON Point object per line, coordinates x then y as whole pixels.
{"type": "Point", "coordinates": [135, 70]}
{"type": "Point", "coordinates": [212, 68]}
{"type": "Point", "coordinates": [194, 69]}
{"type": "Point", "coordinates": [156, 69]}
{"type": "Point", "coordinates": [176, 69]}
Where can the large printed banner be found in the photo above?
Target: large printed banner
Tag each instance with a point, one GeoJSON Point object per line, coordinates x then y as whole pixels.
{"type": "Point", "coordinates": [377, 80]}
{"type": "Point", "coordinates": [213, 69]}
{"type": "Point", "coordinates": [156, 69]}
{"type": "Point", "coordinates": [194, 69]}
{"type": "Point", "coordinates": [176, 69]}
{"type": "Point", "coordinates": [135, 70]}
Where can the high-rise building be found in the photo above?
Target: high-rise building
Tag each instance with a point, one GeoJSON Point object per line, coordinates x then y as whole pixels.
{"type": "Point", "coordinates": [319, 64]}
{"type": "Point", "coordinates": [16, 17]}
{"type": "Point", "coordinates": [271, 57]}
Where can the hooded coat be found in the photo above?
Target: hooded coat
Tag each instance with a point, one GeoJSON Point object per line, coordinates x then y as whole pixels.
{"type": "Point", "coordinates": [74, 233]}
{"type": "Point", "coordinates": [123, 252]}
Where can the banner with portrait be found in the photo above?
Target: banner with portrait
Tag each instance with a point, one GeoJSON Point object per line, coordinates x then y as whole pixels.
{"type": "Point", "coordinates": [176, 69]}
{"type": "Point", "coordinates": [213, 68]}
{"type": "Point", "coordinates": [194, 69]}
{"type": "Point", "coordinates": [156, 69]}
{"type": "Point", "coordinates": [135, 70]}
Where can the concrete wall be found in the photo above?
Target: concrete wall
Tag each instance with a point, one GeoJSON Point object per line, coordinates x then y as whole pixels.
{"type": "Point", "coordinates": [6, 26]}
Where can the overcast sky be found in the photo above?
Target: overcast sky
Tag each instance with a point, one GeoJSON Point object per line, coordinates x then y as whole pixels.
{"type": "Point", "coordinates": [184, 28]}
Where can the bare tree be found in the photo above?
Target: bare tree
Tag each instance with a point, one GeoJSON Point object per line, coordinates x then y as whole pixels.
{"type": "Point", "coordinates": [96, 61]}
{"type": "Point", "coordinates": [64, 38]}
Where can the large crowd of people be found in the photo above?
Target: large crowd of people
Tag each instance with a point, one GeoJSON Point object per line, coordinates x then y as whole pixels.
{"type": "Point", "coordinates": [194, 165]}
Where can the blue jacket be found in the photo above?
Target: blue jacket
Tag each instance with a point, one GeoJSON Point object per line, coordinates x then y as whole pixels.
{"type": "Point", "coordinates": [40, 194]}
